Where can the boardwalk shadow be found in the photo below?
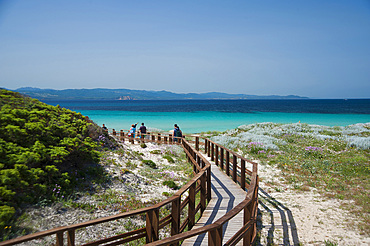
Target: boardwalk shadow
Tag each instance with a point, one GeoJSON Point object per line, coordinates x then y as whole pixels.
{"type": "Point", "coordinates": [212, 218]}
{"type": "Point", "coordinates": [278, 229]}
{"type": "Point", "coordinates": [280, 217]}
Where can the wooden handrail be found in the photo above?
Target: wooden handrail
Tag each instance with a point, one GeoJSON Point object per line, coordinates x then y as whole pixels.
{"type": "Point", "coordinates": [201, 182]}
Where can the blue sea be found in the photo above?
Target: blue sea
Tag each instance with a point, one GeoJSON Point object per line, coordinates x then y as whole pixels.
{"type": "Point", "coordinates": [194, 116]}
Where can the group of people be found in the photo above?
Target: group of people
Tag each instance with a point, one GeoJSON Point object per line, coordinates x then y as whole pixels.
{"type": "Point", "coordinates": [177, 133]}
{"type": "Point", "coordinates": [132, 130]}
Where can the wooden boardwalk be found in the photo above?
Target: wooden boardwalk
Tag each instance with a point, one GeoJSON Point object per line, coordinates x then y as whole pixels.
{"type": "Point", "coordinates": [225, 195]}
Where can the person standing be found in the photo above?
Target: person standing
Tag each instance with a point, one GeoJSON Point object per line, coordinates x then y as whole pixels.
{"type": "Point", "coordinates": [142, 130]}
{"type": "Point", "coordinates": [105, 128]}
{"type": "Point", "coordinates": [133, 130]}
{"type": "Point", "coordinates": [177, 133]}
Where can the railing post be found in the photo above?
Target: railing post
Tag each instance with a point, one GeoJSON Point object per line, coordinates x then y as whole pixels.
{"type": "Point", "coordinates": [159, 137]}
{"type": "Point", "coordinates": [175, 218]}
{"type": "Point", "coordinates": [59, 239]}
{"type": "Point", "coordinates": [227, 163]}
{"type": "Point", "coordinates": [253, 211]}
{"type": "Point", "coordinates": [242, 174]}
{"type": "Point", "coordinates": [153, 138]}
{"type": "Point", "coordinates": [170, 138]}
{"type": "Point", "coordinates": [203, 193]}
{"type": "Point", "coordinates": [191, 208]}
{"type": "Point", "coordinates": [205, 146]}
{"type": "Point", "coordinates": [247, 217]}
{"type": "Point", "coordinates": [152, 225]}
{"type": "Point", "coordinates": [71, 237]}
{"type": "Point", "coordinates": [209, 184]}
{"type": "Point", "coordinates": [216, 156]}
{"type": "Point", "coordinates": [195, 170]}
{"type": "Point", "coordinates": [114, 132]}
{"type": "Point", "coordinates": [209, 148]}
{"type": "Point", "coordinates": [195, 157]}
{"type": "Point", "coordinates": [213, 152]}
{"type": "Point", "coordinates": [222, 158]}
{"type": "Point", "coordinates": [197, 143]}
{"type": "Point", "coordinates": [165, 139]}
{"type": "Point", "coordinates": [235, 168]}
{"type": "Point", "coordinates": [122, 136]}
{"type": "Point", "coordinates": [215, 237]}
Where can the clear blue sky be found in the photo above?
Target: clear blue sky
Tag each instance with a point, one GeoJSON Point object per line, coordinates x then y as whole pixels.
{"type": "Point", "coordinates": [315, 48]}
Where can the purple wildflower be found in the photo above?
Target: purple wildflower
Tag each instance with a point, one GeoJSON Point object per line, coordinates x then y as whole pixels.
{"type": "Point", "coordinates": [313, 149]}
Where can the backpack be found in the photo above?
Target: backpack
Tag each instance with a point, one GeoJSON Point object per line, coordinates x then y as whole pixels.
{"type": "Point", "coordinates": [178, 133]}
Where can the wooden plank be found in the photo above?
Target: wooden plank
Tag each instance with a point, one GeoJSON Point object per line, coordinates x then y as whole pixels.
{"type": "Point", "coordinates": [222, 159]}
{"type": "Point", "coordinates": [59, 239]}
{"type": "Point", "coordinates": [152, 225]}
{"type": "Point", "coordinates": [212, 152]}
{"type": "Point", "coordinates": [225, 196]}
{"type": "Point", "coordinates": [216, 156]}
{"type": "Point", "coordinates": [71, 237]}
{"type": "Point", "coordinates": [191, 207]}
{"type": "Point", "coordinates": [227, 163]}
{"type": "Point", "coordinates": [235, 168]}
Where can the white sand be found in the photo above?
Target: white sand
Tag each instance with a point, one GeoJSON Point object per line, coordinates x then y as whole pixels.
{"type": "Point", "coordinates": [317, 219]}
{"type": "Point", "coordinates": [288, 216]}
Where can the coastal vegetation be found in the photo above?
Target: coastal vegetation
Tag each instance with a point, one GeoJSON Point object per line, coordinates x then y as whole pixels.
{"type": "Point", "coordinates": [45, 153]}
{"type": "Point", "coordinates": [333, 160]}
{"type": "Point", "coordinates": [56, 162]}
{"type": "Point", "coordinates": [131, 184]}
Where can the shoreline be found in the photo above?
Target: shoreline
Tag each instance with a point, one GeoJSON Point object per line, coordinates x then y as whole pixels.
{"type": "Point", "coordinates": [197, 122]}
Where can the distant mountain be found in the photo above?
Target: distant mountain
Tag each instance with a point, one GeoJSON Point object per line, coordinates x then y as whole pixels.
{"type": "Point", "coordinates": [125, 94]}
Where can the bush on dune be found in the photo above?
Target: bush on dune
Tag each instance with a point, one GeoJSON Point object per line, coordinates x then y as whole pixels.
{"type": "Point", "coordinates": [42, 147]}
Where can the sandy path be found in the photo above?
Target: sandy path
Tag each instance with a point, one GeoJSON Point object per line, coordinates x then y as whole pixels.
{"type": "Point", "coordinates": [290, 216]}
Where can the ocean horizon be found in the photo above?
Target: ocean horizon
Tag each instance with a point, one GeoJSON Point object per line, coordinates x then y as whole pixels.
{"type": "Point", "coordinates": [195, 116]}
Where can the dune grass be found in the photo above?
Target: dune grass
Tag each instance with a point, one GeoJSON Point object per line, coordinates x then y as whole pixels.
{"type": "Point", "coordinates": [334, 160]}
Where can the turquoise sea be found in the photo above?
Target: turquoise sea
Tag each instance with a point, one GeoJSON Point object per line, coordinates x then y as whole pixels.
{"type": "Point", "coordinates": [194, 116]}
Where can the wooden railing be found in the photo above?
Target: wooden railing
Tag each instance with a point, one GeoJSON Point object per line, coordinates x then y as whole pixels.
{"type": "Point", "coordinates": [184, 198]}
{"type": "Point", "coordinates": [158, 137]}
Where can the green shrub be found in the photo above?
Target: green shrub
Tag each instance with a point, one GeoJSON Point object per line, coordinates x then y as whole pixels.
{"type": "Point", "coordinates": [44, 152]}
{"type": "Point", "coordinates": [169, 158]}
{"type": "Point", "coordinates": [149, 163]}
{"type": "Point", "coordinates": [6, 214]}
{"type": "Point", "coordinates": [131, 165]}
{"type": "Point", "coordinates": [143, 145]}
{"type": "Point", "coordinates": [156, 152]}
{"type": "Point", "coordinates": [166, 194]}
{"type": "Point", "coordinates": [171, 184]}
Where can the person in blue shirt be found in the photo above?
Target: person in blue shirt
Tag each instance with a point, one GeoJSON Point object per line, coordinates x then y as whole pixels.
{"type": "Point", "coordinates": [177, 133]}
{"type": "Point", "coordinates": [133, 130]}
